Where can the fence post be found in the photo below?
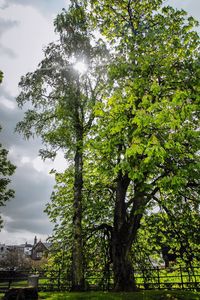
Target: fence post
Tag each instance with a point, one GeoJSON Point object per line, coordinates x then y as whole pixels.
{"type": "Point", "coordinates": [182, 284]}
{"type": "Point", "coordinates": [108, 282]}
{"type": "Point", "coordinates": [158, 275]}
{"type": "Point", "coordinates": [195, 280]}
{"type": "Point", "coordinates": [59, 272]}
{"type": "Point", "coordinates": [144, 279]}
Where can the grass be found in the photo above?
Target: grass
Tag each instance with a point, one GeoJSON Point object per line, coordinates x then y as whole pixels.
{"type": "Point", "coordinates": [143, 295]}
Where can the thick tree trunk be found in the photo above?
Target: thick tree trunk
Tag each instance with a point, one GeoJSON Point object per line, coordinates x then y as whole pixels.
{"type": "Point", "coordinates": [125, 229]}
{"type": "Point", "coordinates": [122, 268]}
{"type": "Point", "coordinates": [122, 242]}
{"type": "Point", "coordinates": [123, 275]}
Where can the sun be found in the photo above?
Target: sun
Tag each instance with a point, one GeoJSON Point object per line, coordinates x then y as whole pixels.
{"type": "Point", "coordinates": [81, 67]}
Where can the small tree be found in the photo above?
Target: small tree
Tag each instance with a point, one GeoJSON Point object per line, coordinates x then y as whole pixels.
{"type": "Point", "coordinates": [6, 169]}
{"type": "Point", "coordinates": [1, 76]}
{"type": "Point", "coordinates": [15, 259]}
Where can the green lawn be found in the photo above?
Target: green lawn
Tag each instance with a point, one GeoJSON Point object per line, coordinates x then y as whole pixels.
{"type": "Point", "coordinates": [146, 295]}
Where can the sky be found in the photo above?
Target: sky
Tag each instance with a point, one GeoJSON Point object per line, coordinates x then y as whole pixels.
{"type": "Point", "coordinates": [26, 27]}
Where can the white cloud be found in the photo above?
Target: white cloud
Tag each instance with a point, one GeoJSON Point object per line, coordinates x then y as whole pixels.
{"type": "Point", "coordinates": [25, 160]}
{"type": "Point", "coordinates": [32, 32]}
{"type": "Point", "coordinates": [20, 237]}
{"type": "Point", "coordinates": [42, 166]}
{"type": "Point", "coordinates": [9, 238]}
{"type": "Point", "coordinates": [36, 163]}
{"type": "Point", "coordinates": [46, 166]}
{"type": "Point", "coordinates": [60, 163]}
{"type": "Point", "coordinates": [47, 7]}
{"type": "Point", "coordinates": [7, 103]}
{"type": "Point", "coordinates": [2, 3]}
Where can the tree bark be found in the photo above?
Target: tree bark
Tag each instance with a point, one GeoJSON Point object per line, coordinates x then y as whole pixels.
{"type": "Point", "coordinates": [122, 268]}
{"type": "Point", "coordinates": [77, 255]}
{"type": "Point", "coordinates": [124, 233]}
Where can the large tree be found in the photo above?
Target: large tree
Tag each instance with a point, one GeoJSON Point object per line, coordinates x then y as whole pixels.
{"type": "Point", "coordinates": [148, 127]}
{"type": "Point", "coordinates": [62, 100]}
{"type": "Point", "coordinates": [145, 138]}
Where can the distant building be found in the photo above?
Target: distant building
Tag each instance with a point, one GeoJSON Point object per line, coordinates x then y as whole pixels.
{"type": "Point", "coordinates": [4, 249]}
{"type": "Point", "coordinates": [36, 251]}
{"type": "Point", "coordinates": [16, 248]}
{"type": "Point", "coordinates": [40, 250]}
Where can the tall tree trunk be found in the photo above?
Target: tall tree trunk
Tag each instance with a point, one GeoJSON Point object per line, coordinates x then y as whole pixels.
{"type": "Point", "coordinates": [77, 255]}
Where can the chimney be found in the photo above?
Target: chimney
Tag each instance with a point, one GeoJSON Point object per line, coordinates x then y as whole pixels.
{"type": "Point", "coordinates": [35, 240]}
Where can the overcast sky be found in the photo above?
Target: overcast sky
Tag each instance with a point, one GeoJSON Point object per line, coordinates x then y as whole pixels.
{"type": "Point", "coordinates": [26, 26]}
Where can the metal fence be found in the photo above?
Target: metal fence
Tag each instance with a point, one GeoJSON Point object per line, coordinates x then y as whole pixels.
{"type": "Point", "coordinates": [170, 278]}
{"type": "Point", "coordinates": [154, 278]}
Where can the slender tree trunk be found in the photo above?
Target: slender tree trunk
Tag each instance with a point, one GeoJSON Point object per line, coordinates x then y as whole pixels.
{"type": "Point", "coordinates": [77, 255]}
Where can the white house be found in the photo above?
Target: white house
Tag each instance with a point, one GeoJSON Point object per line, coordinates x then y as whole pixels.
{"type": "Point", "coordinates": [28, 249]}
{"type": "Point", "coordinates": [3, 250]}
